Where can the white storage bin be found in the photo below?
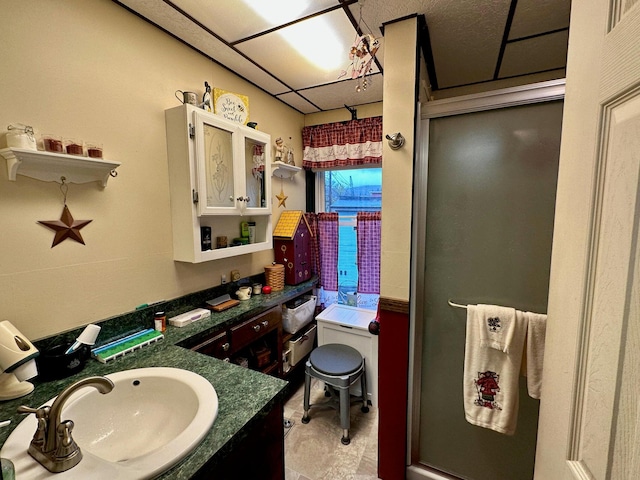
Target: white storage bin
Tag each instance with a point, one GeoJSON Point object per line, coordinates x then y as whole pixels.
{"type": "Point", "coordinates": [293, 319]}
{"type": "Point", "coordinates": [298, 348]}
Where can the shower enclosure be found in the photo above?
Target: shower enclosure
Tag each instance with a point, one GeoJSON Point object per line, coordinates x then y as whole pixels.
{"type": "Point", "coordinates": [483, 224]}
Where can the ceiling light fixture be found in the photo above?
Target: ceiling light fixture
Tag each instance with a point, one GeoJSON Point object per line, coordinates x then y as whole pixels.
{"type": "Point", "coordinates": [315, 38]}
{"type": "Point", "coordinates": [362, 54]}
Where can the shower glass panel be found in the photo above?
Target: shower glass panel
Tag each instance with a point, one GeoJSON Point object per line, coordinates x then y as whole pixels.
{"type": "Point", "coordinates": [490, 208]}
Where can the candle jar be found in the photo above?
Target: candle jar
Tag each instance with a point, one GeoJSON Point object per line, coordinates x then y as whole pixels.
{"type": "Point", "coordinates": [73, 147]}
{"type": "Point", "coordinates": [52, 143]}
{"type": "Point", "coordinates": [94, 150]}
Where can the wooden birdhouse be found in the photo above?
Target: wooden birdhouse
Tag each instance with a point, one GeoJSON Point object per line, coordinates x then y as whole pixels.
{"type": "Point", "coordinates": [292, 246]}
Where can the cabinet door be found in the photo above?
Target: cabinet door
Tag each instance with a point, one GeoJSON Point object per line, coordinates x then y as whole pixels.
{"type": "Point", "coordinates": [256, 153]}
{"type": "Point", "coordinates": [217, 175]}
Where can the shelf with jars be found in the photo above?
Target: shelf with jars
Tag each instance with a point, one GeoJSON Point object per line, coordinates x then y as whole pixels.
{"type": "Point", "coordinates": [218, 181]}
{"type": "Point", "coordinates": [49, 167]}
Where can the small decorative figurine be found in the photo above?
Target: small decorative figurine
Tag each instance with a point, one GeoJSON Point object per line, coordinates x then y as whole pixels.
{"type": "Point", "coordinates": [280, 150]}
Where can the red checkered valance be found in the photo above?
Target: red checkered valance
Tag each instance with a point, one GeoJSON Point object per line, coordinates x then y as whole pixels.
{"type": "Point", "coordinates": [341, 144]}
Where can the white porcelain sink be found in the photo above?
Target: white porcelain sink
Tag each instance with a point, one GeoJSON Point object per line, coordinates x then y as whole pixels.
{"type": "Point", "coordinates": [151, 420]}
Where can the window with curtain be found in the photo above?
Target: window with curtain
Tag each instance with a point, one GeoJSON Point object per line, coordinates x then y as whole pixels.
{"type": "Point", "coordinates": [346, 158]}
{"type": "Point", "coordinates": [347, 236]}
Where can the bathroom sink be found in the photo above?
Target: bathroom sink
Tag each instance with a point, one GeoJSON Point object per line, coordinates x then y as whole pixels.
{"type": "Point", "coordinates": [152, 419]}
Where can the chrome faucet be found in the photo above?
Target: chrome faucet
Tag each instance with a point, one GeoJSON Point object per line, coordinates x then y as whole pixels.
{"type": "Point", "coordinates": [52, 445]}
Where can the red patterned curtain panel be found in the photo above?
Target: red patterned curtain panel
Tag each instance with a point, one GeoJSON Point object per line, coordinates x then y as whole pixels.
{"type": "Point", "coordinates": [368, 233]}
{"type": "Point", "coordinates": [312, 221]}
{"type": "Point", "coordinates": [328, 250]}
{"type": "Point", "coordinates": [341, 144]}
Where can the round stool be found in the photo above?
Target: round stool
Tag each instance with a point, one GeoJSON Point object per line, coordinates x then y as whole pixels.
{"type": "Point", "coordinates": [339, 366]}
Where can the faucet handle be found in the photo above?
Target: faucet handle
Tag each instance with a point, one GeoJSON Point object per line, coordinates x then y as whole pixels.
{"type": "Point", "coordinates": [67, 446]}
{"type": "Point", "coordinates": [40, 413]}
{"type": "Point", "coordinates": [25, 409]}
{"type": "Point", "coordinates": [42, 416]}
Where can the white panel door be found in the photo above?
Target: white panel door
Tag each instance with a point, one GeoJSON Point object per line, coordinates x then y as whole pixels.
{"type": "Point", "coordinates": [589, 414]}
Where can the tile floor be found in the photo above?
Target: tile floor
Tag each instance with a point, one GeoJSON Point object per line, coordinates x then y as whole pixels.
{"type": "Point", "coordinates": [314, 451]}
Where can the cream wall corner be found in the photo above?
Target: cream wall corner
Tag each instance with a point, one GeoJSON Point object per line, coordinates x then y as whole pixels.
{"type": "Point", "coordinates": [399, 111]}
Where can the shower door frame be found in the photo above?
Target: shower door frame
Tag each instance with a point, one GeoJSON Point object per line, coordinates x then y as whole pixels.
{"type": "Point", "coordinates": [508, 97]}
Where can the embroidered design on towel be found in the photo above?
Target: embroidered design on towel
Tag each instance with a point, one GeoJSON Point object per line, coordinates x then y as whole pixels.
{"type": "Point", "coordinates": [493, 324]}
{"type": "Point", "coordinates": [487, 386]}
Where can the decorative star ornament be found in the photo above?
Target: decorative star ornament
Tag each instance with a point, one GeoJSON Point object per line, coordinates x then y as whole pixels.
{"type": "Point", "coordinates": [66, 227]}
{"type": "Point", "coordinates": [282, 198]}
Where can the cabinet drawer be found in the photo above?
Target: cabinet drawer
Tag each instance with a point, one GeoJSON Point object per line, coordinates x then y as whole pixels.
{"type": "Point", "coordinates": [255, 328]}
{"type": "Point", "coordinates": [217, 346]}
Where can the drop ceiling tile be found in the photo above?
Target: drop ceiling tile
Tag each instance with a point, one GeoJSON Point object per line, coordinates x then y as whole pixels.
{"type": "Point", "coordinates": [539, 16]}
{"type": "Point", "coordinates": [465, 39]}
{"type": "Point", "coordinates": [276, 54]}
{"type": "Point", "coordinates": [241, 20]}
{"type": "Point", "coordinates": [535, 55]}
{"type": "Point", "coordinates": [171, 20]}
{"type": "Point", "coordinates": [336, 95]}
{"type": "Point", "coordinates": [296, 101]}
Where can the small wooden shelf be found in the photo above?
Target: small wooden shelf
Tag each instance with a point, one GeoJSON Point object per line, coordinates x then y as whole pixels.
{"type": "Point", "coordinates": [284, 170]}
{"type": "Point", "coordinates": [218, 253]}
{"type": "Point", "coordinates": [50, 167]}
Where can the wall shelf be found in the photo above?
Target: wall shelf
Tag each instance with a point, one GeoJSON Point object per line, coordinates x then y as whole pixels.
{"type": "Point", "coordinates": [49, 167]}
{"type": "Point", "coordinates": [284, 170]}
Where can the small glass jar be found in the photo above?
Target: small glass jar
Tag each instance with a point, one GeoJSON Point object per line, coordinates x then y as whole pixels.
{"type": "Point", "coordinates": [94, 150]}
{"type": "Point", "coordinates": [21, 136]}
{"type": "Point", "coordinates": [73, 147]}
{"type": "Point", "coordinates": [52, 143]}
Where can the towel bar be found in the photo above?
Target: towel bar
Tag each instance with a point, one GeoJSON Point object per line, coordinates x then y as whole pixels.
{"type": "Point", "coordinates": [457, 305]}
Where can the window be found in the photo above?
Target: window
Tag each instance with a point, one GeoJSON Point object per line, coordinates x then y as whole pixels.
{"type": "Point", "coordinates": [347, 192]}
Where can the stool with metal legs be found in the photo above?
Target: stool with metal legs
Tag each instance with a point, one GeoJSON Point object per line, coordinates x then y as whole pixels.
{"type": "Point", "coordinates": [339, 367]}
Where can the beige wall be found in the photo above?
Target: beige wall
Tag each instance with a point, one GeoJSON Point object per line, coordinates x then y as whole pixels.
{"type": "Point", "coordinates": [92, 70]}
{"type": "Point", "coordinates": [397, 165]}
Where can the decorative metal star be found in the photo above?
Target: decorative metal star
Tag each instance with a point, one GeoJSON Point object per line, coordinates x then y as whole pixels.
{"type": "Point", "coordinates": [282, 198]}
{"type": "Point", "coordinates": [66, 227]}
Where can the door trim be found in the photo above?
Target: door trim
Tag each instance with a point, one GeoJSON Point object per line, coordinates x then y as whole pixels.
{"type": "Point", "coordinates": [508, 97]}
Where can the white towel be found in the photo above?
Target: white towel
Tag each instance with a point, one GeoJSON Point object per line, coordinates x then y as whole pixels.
{"type": "Point", "coordinates": [491, 377]}
{"type": "Point", "coordinates": [497, 331]}
{"type": "Point", "coordinates": [536, 331]}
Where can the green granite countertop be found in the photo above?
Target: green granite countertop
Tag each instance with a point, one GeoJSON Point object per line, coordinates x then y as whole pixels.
{"type": "Point", "coordinates": [244, 395]}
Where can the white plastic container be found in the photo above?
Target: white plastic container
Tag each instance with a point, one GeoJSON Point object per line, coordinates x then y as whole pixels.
{"type": "Point", "coordinates": [297, 349]}
{"type": "Point", "coordinates": [293, 319]}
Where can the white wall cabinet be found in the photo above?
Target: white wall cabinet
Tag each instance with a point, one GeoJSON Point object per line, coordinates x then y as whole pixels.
{"type": "Point", "coordinates": [219, 177]}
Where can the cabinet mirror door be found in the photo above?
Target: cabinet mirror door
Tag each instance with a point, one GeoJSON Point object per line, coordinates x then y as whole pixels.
{"type": "Point", "coordinates": [215, 166]}
{"type": "Point", "coordinates": [256, 173]}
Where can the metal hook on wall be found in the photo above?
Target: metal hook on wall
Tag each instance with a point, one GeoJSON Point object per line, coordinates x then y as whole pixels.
{"type": "Point", "coordinates": [396, 140]}
{"type": "Point", "coordinates": [64, 188]}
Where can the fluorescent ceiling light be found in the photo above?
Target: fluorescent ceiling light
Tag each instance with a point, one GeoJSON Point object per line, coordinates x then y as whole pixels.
{"type": "Point", "coordinates": [277, 12]}
{"type": "Point", "coordinates": [315, 38]}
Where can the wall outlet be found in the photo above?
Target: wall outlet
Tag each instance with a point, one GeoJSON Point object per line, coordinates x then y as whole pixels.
{"type": "Point", "coordinates": [223, 279]}
{"type": "Point", "coordinates": [235, 275]}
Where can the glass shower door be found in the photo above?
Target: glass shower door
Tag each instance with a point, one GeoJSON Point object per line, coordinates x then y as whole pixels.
{"type": "Point", "coordinates": [490, 208]}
